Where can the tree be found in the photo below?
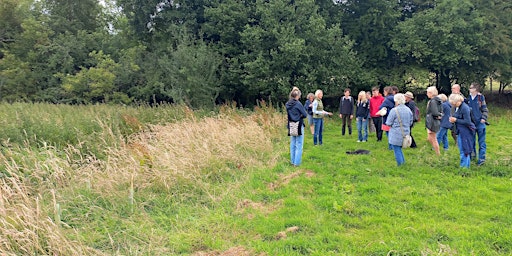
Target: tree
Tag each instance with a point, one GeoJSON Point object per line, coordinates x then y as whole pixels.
{"type": "Point", "coordinates": [442, 39]}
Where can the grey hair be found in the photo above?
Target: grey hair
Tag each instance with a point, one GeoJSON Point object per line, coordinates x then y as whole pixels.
{"type": "Point", "coordinates": [455, 97]}
{"type": "Point", "coordinates": [399, 98]}
{"type": "Point", "coordinates": [318, 92]}
{"type": "Point", "coordinates": [433, 90]}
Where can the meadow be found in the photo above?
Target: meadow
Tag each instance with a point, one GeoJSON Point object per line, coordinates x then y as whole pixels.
{"type": "Point", "coordinates": [167, 180]}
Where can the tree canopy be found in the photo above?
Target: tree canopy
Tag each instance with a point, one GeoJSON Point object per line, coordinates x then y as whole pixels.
{"type": "Point", "coordinates": [202, 53]}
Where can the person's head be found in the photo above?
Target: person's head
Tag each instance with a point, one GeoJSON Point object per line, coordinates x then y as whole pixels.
{"type": "Point", "coordinates": [443, 97]}
{"type": "Point", "coordinates": [375, 91]}
{"type": "Point", "coordinates": [395, 89]}
{"type": "Point", "coordinates": [294, 89]}
{"type": "Point", "coordinates": [319, 94]}
{"type": "Point", "coordinates": [368, 95]}
{"type": "Point", "coordinates": [361, 96]}
{"type": "Point", "coordinates": [474, 88]}
{"type": "Point", "coordinates": [346, 92]}
{"type": "Point", "coordinates": [399, 99]}
{"type": "Point", "coordinates": [431, 92]}
{"type": "Point", "coordinates": [408, 96]}
{"type": "Point", "coordinates": [311, 96]}
{"type": "Point", "coordinates": [388, 90]}
{"type": "Point", "coordinates": [455, 99]}
{"type": "Point", "coordinates": [456, 88]}
{"type": "Point", "coordinates": [295, 94]}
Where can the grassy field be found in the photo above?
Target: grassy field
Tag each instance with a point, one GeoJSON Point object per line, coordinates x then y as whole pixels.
{"type": "Point", "coordinates": [165, 180]}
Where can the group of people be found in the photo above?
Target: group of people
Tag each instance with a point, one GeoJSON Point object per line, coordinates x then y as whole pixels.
{"type": "Point", "coordinates": [394, 114]}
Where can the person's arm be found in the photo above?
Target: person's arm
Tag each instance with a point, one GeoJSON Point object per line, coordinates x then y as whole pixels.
{"type": "Point", "coordinates": [483, 108]}
{"type": "Point", "coordinates": [391, 118]}
{"type": "Point", "coordinates": [303, 112]}
{"type": "Point", "coordinates": [466, 118]}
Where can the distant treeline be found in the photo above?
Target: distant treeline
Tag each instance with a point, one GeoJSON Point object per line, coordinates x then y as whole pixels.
{"type": "Point", "coordinates": [205, 52]}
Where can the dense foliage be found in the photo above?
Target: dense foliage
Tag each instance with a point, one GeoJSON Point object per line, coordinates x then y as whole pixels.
{"type": "Point", "coordinates": [202, 53]}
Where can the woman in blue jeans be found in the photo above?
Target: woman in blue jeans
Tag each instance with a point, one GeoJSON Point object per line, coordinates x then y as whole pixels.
{"type": "Point", "coordinates": [318, 117]}
{"type": "Point", "coordinates": [296, 113]}
{"type": "Point", "coordinates": [400, 120]}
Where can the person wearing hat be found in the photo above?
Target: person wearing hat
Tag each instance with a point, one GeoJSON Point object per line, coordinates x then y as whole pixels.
{"type": "Point", "coordinates": [409, 102]}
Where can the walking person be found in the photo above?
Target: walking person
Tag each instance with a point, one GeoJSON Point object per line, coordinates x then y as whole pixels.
{"type": "Point", "coordinates": [318, 117]}
{"type": "Point", "coordinates": [346, 112]}
{"type": "Point", "coordinates": [409, 102]}
{"type": "Point", "coordinates": [399, 119]}
{"type": "Point", "coordinates": [433, 118]}
{"type": "Point", "coordinates": [465, 128]}
{"type": "Point", "coordinates": [442, 134]}
{"type": "Point", "coordinates": [375, 102]}
{"type": "Point", "coordinates": [362, 113]}
{"type": "Point", "coordinates": [296, 113]}
{"type": "Point", "coordinates": [476, 101]}
{"type": "Point", "coordinates": [308, 105]}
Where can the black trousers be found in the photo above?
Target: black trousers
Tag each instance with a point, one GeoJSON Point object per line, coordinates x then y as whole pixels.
{"type": "Point", "coordinates": [377, 121]}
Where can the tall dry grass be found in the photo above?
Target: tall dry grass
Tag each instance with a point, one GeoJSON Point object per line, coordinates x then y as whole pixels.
{"type": "Point", "coordinates": [39, 186]}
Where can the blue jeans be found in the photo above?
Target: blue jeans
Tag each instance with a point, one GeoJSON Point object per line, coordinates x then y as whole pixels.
{"type": "Point", "coordinates": [296, 145]}
{"type": "Point", "coordinates": [482, 146]}
{"type": "Point", "coordinates": [362, 128]}
{"type": "Point", "coordinates": [465, 160]}
{"type": "Point", "coordinates": [442, 137]}
{"type": "Point", "coordinates": [319, 126]}
{"type": "Point", "coordinates": [399, 155]}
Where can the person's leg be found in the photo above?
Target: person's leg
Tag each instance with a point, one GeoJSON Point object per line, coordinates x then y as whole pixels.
{"type": "Point", "coordinates": [365, 129]}
{"type": "Point", "coordinates": [317, 130]}
{"type": "Point", "coordinates": [299, 144]}
{"type": "Point", "coordinates": [311, 124]}
{"type": "Point", "coordinates": [321, 132]}
{"type": "Point", "coordinates": [482, 146]}
{"type": "Point", "coordinates": [433, 141]}
{"type": "Point", "coordinates": [465, 160]}
{"type": "Point", "coordinates": [359, 122]}
{"type": "Point", "coordinates": [343, 124]}
{"type": "Point", "coordinates": [399, 155]}
{"type": "Point", "coordinates": [453, 131]}
{"type": "Point", "coordinates": [293, 141]}
{"type": "Point", "coordinates": [377, 121]}
{"type": "Point", "coordinates": [349, 124]}
{"type": "Point", "coordinates": [413, 142]}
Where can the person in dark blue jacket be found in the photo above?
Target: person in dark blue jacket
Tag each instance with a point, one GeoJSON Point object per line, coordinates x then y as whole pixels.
{"type": "Point", "coordinates": [442, 134]}
{"type": "Point", "coordinates": [296, 113]}
{"type": "Point", "coordinates": [385, 107]}
{"type": "Point", "coordinates": [476, 102]}
{"type": "Point", "coordinates": [465, 128]}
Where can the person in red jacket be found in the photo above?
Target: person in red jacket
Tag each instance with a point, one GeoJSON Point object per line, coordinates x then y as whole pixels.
{"type": "Point", "coordinates": [375, 102]}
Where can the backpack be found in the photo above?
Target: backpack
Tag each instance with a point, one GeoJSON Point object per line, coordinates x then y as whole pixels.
{"type": "Point", "coordinates": [416, 114]}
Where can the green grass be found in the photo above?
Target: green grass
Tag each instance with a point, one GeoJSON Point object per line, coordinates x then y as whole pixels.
{"type": "Point", "coordinates": [341, 204]}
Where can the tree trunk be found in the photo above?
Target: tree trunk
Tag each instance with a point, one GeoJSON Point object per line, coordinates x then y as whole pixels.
{"type": "Point", "coordinates": [444, 84]}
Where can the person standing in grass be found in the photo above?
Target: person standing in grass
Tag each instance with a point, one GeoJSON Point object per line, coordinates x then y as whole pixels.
{"type": "Point", "coordinates": [476, 102]}
{"type": "Point", "coordinates": [442, 134]}
{"type": "Point", "coordinates": [385, 107]}
{"type": "Point", "coordinates": [346, 112]}
{"type": "Point", "coordinates": [362, 113]}
{"type": "Point", "coordinates": [409, 102]}
{"type": "Point", "coordinates": [318, 117]}
{"type": "Point", "coordinates": [296, 113]}
{"type": "Point", "coordinates": [465, 128]}
{"type": "Point", "coordinates": [308, 105]}
{"type": "Point", "coordinates": [433, 118]}
{"type": "Point", "coordinates": [375, 102]}
{"type": "Point", "coordinates": [400, 120]}
{"type": "Point", "coordinates": [455, 90]}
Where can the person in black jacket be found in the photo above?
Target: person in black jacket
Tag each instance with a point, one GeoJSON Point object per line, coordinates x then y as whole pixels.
{"type": "Point", "coordinates": [346, 111]}
{"type": "Point", "coordinates": [296, 113]}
